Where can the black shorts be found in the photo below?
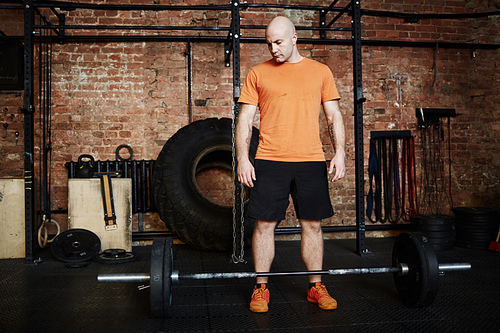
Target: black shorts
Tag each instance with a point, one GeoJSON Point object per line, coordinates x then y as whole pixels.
{"type": "Point", "coordinates": [307, 182]}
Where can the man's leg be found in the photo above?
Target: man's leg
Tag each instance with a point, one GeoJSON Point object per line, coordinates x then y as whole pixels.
{"type": "Point", "coordinates": [312, 254]}
{"type": "Point", "coordinates": [312, 247]}
{"type": "Point", "coordinates": [263, 247]}
{"type": "Point", "coordinates": [263, 255]}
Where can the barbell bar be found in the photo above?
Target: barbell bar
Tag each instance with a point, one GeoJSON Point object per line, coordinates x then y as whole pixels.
{"type": "Point", "coordinates": [175, 276]}
{"type": "Point", "coordinates": [415, 269]}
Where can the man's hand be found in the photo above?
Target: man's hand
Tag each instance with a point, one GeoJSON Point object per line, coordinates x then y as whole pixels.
{"type": "Point", "coordinates": [338, 164]}
{"type": "Point", "coordinates": [246, 173]}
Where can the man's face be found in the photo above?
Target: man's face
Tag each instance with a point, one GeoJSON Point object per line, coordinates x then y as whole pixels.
{"type": "Point", "coordinates": [280, 42]}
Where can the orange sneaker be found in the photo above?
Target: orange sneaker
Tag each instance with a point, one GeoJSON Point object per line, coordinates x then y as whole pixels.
{"type": "Point", "coordinates": [319, 294]}
{"type": "Point", "coordinates": [260, 299]}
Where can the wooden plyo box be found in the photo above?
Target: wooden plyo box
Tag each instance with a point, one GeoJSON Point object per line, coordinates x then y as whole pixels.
{"type": "Point", "coordinates": [86, 211]}
{"type": "Point", "coordinates": [12, 236]}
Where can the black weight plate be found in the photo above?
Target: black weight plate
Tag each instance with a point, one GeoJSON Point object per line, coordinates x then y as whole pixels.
{"type": "Point", "coordinates": [436, 228]}
{"type": "Point", "coordinates": [419, 287]}
{"type": "Point", "coordinates": [122, 258]}
{"type": "Point", "coordinates": [475, 211]}
{"type": "Point", "coordinates": [114, 253]}
{"type": "Point", "coordinates": [472, 245]}
{"type": "Point", "coordinates": [168, 262]}
{"type": "Point", "coordinates": [477, 219]}
{"type": "Point", "coordinates": [443, 247]}
{"type": "Point", "coordinates": [77, 264]}
{"type": "Point", "coordinates": [474, 238]}
{"type": "Point", "coordinates": [442, 240]}
{"type": "Point", "coordinates": [438, 234]}
{"type": "Point", "coordinates": [432, 218]}
{"type": "Point", "coordinates": [423, 221]}
{"type": "Point", "coordinates": [482, 229]}
{"type": "Point", "coordinates": [156, 278]}
{"type": "Point", "coordinates": [479, 236]}
{"type": "Point", "coordinates": [477, 223]}
{"type": "Point", "coordinates": [441, 244]}
{"type": "Point", "coordinates": [75, 246]}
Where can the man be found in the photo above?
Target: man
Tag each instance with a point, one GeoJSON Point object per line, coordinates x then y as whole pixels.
{"type": "Point", "coordinates": [289, 91]}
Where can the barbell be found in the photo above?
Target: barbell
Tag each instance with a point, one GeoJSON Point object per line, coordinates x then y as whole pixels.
{"type": "Point", "coordinates": [415, 269]}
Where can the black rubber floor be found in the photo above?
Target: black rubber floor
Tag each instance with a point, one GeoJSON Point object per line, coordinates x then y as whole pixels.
{"type": "Point", "coordinates": [49, 297]}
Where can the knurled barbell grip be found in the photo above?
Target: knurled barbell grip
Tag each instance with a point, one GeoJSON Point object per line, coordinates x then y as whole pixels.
{"type": "Point", "coordinates": [236, 275]}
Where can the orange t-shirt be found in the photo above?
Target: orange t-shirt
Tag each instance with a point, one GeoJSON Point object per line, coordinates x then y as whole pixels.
{"type": "Point", "coordinates": [289, 97]}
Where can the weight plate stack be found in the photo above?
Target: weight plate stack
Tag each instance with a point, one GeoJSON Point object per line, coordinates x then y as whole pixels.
{"type": "Point", "coordinates": [475, 226]}
{"type": "Point", "coordinates": [439, 229]}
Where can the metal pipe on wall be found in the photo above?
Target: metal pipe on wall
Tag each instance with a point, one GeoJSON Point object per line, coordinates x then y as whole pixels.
{"type": "Point", "coordinates": [189, 56]}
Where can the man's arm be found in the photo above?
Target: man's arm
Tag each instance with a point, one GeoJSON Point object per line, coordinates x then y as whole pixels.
{"type": "Point", "coordinates": [243, 137]}
{"type": "Point", "coordinates": [337, 135]}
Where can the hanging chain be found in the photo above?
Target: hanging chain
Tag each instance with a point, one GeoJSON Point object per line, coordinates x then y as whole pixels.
{"type": "Point", "coordinates": [237, 259]}
{"type": "Point", "coordinates": [242, 222]}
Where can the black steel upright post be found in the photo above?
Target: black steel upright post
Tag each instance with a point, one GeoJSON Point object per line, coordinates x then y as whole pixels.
{"type": "Point", "coordinates": [322, 23]}
{"type": "Point", "coordinates": [29, 142]}
{"type": "Point", "coordinates": [236, 34]}
{"type": "Point", "coordinates": [358, 127]}
{"type": "Point", "coordinates": [237, 187]}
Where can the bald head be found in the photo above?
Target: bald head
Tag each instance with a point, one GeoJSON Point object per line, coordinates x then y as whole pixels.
{"type": "Point", "coordinates": [281, 24]}
{"type": "Point", "coordinates": [281, 40]}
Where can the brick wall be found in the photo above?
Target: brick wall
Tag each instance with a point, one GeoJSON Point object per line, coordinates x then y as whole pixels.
{"type": "Point", "coordinates": [135, 93]}
{"type": "Point", "coordinates": [11, 119]}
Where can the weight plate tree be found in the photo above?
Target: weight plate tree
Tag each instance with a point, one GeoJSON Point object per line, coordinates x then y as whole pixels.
{"type": "Point", "coordinates": [415, 268]}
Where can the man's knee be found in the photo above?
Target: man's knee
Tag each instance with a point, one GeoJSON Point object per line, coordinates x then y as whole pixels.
{"type": "Point", "coordinates": [265, 226]}
{"type": "Point", "coordinates": [311, 226]}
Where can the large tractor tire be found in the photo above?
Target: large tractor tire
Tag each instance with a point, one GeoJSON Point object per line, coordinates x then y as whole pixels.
{"type": "Point", "coordinates": [195, 218]}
